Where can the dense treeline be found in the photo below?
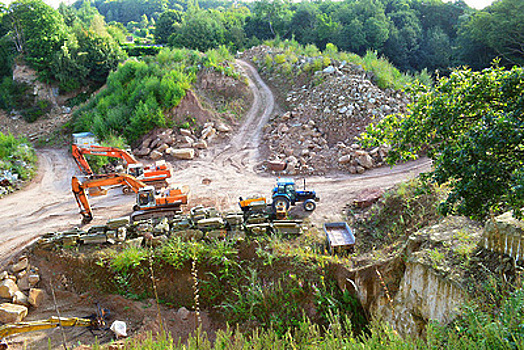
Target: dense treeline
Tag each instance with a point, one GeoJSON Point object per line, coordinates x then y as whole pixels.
{"type": "Point", "coordinates": [413, 34]}
{"type": "Point", "coordinates": [71, 47]}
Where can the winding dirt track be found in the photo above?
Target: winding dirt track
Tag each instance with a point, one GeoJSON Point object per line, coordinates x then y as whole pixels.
{"type": "Point", "coordinates": [47, 204]}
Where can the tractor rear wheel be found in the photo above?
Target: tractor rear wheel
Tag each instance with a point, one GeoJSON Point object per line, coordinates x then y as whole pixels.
{"type": "Point", "coordinates": [310, 205]}
{"type": "Point", "coordinates": [281, 202]}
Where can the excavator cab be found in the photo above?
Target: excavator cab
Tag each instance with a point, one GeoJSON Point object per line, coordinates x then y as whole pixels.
{"type": "Point", "coordinates": [136, 170]}
{"type": "Point", "coordinates": [145, 198]}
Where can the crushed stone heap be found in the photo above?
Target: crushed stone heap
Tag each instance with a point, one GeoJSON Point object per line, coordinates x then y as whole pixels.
{"type": "Point", "coordinates": [327, 111]}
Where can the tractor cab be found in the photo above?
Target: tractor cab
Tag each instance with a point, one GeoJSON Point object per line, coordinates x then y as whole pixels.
{"type": "Point", "coordinates": [146, 198]}
{"type": "Point", "coordinates": [286, 187]}
{"type": "Point", "coordinates": [136, 170]}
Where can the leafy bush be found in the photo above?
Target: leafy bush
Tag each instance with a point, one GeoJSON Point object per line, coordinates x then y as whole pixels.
{"type": "Point", "coordinates": [140, 93]}
{"type": "Point", "coordinates": [17, 155]}
{"type": "Point", "coordinates": [138, 51]}
{"type": "Point", "coordinates": [128, 259]}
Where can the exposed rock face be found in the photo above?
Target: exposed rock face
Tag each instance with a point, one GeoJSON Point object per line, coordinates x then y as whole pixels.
{"type": "Point", "coordinates": [505, 234]}
{"type": "Point", "coordinates": [422, 296]}
{"type": "Point", "coordinates": [409, 290]}
{"type": "Point", "coordinates": [27, 75]}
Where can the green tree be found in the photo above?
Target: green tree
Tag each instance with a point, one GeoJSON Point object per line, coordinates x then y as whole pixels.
{"type": "Point", "coordinates": [404, 39]}
{"type": "Point", "coordinates": [165, 26]}
{"type": "Point", "coordinates": [38, 32]}
{"type": "Point", "coordinates": [472, 126]}
{"type": "Point", "coordinates": [304, 21]}
{"type": "Point", "coordinates": [201, 31]}
{"type": "Point", "coordinates": [276, 15]}
{"type": "Point", "coordinates": [436, 50]}
{"type": "Point", "coordinates": [501, 28]}
{"type": "Point", "coordinates": [364, 26]}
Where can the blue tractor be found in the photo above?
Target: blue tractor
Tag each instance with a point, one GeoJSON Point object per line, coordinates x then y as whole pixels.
{"type": "Point", "coordinates": [285, 194]}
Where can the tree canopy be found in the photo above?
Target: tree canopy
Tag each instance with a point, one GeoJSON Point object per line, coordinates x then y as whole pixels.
{"type": "Point", "coordinates": [472, 127]}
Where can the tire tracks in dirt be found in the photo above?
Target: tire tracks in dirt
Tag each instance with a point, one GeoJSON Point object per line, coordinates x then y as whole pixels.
{"type": "Point", "coordinates": [47, 204]}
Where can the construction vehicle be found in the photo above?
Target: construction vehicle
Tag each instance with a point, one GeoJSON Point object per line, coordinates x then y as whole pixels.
{"type": "Point", "coordinates": [93, 322]}
{"type": "Point", "coordinates": [149, 201]}
{"type": "Point", "coordinates": [285, 194]}
{"type": "Point", "coordinates": [155, 174]}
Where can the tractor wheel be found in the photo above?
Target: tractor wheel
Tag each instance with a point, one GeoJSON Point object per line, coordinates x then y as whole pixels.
{"type": "Point", "coordinates": [126, 190]}
{"type": "Point", "coordinates": [280, 202]}
{"type": "Point", "coordinates": [136, 207]}
{"type": "Point", "coordinates": [310, 205]}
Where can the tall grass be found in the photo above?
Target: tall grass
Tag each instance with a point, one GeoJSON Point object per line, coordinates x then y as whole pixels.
{"type": "Point", "coordinates": [386, 75]}
{"type": "Point", "coordinates": [473, 330]}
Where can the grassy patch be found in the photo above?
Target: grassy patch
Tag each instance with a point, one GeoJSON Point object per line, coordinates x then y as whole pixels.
{"type": "Point", "coordinates": [400, 212]}
{"type": "Point", "coordinates": [139, 94]}
{"type": "Point", "coordinates": [288, 52]}
{"type": "Point", "coordinates": [17, 156]}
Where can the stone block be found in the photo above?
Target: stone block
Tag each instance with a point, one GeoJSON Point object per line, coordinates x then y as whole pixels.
{"type": "Point", "coordinates": [36, 297]}
{"type": "Point", "coordinates": [8, 288]}
{"type": "Point", "coordinates": [11, 313]}
{"type": "Point", "coordinates": [183, 153]}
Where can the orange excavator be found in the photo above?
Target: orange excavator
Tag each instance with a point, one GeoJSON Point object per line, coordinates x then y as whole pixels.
{"type": "Point", "coordinates": [150, 203]}
{"type": "Point", "coordinates": [155, 174]}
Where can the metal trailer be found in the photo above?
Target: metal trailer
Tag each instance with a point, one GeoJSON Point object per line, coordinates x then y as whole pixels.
{"type": "Point", "coordinates": [339, 237]}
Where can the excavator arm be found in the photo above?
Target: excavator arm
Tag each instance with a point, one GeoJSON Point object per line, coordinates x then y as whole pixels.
{"type": "Point", "coordinates": [95, 150]}
{"type": "Point", "coordinates": [79, 190]}
{"type": "Point", "coordinates": [53, 322]}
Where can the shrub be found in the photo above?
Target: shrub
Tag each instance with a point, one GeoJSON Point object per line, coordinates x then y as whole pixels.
{"type": "Point", "coordinates": [138, 95]}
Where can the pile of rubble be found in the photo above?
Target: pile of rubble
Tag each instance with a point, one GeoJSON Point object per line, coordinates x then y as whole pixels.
{"type": "Point", "coordinates": [9, 181]}
{"type": "Point", "coordinates": [180, 143]}
{"type": "Point", "coordinates": [328, 111]}
{"type": "Point", "coordinates": [18, 289]}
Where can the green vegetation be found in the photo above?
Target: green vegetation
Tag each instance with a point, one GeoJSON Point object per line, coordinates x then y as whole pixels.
{"type": "Point", "coordinates": [247, 292]}
{"type": "Point", "coordinates": [287, 52]}
{"type": "Point", "coordinates": [18, 97]}
{"type": "Point", "coordinates": [71, 48]}
{"type": "Point", "coordinates": [475, 329]}
{"type": "Point", "coordinates": [17, 156]}
{"type": "Point", "coordinates": [413, 35]}
{"type": "Point", "coordinates": [140, 94]}
{"type": "Point", "coordinates": [402, 211]}
{"type": "Point", "coordinates": [471, 126]}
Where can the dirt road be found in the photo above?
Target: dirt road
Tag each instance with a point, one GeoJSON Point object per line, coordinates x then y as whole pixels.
{"type": "Point", "coordinates": [48, 204]}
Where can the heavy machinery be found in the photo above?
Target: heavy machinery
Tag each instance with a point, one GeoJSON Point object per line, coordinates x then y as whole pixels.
{"type": "Point", "coordinates": [149, 201]}
{"type": "Point", "coordinates": [285, 194]}
{"type": "Point", "coordinates": [152, 174]}
{"type": "Point", "coordinates": [93, 322]}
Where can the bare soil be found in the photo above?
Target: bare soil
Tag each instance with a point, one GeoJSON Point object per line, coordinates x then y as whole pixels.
{"type": "Point", "coordinates": [218, 178]}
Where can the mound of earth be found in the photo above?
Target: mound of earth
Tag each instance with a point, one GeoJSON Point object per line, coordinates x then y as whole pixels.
{"type": "Point", "coordinates": [206, 115]}
{"type": "Point", "coordinates": [327, 111]}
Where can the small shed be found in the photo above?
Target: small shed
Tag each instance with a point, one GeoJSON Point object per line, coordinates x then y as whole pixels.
{"type": "Point", "coordinates": [84, 139]}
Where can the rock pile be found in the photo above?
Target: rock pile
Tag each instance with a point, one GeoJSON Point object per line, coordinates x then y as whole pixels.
{"type": "Point", "coordinates": [184, 144]}
{"type": "Point", "coordinates": [327, 114]}
{"type": "Point", "coordinates": [18, 289]}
